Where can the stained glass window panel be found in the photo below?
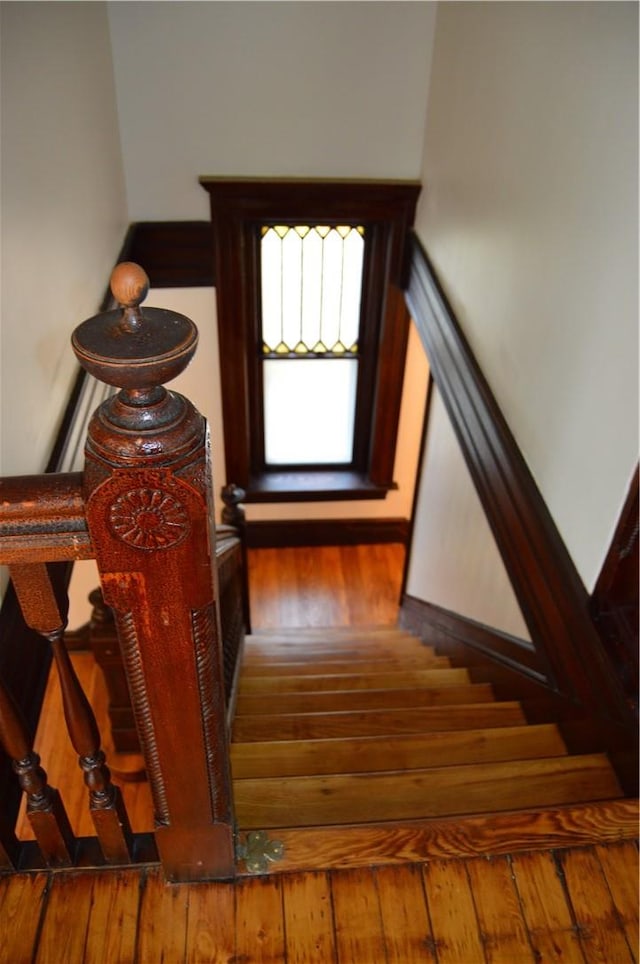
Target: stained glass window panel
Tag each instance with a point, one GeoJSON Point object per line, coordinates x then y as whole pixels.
{"type": "Point", "coordinates": [309, 409]}
{"type": "Point", "coordinates": [311, 281]}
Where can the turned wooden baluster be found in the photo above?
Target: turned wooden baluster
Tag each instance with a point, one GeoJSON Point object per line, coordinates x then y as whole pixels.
{"type": "Point", "coordinates": [42, 613]}
{"type": "Point", "coordinates": [45, 809]}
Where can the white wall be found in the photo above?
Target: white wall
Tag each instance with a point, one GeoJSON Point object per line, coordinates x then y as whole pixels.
{"type": "Point", "coordinates": [282, 89]}
{"type": "Point", "coordinates": [455, 562]}
{"type": "Point", "coordinates": [62, 208]}
{"type": "Point", "coordinates": [530, 214]}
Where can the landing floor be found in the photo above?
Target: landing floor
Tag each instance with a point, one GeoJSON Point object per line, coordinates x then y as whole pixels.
{"type": "Point", "coordinates": [571, 905]}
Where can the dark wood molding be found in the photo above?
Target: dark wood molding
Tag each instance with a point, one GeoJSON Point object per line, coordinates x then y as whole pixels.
{"type": "Point", "coordinates": [175, 254]}
{"type": "Point", "coordinates": [314, 485]}
{"type": "Point", "coordinates": [552, 597]}
{"type": "Point", "coordinates": [386, 209]}
{"type": "Point", "coordinates": [512, 667]}
{"type": "Point", "coordinates": [516, 654]}
{"type": "Point", "coordinates": [614, 601]}
{"type": "Point", "coordinates": [326, 532]}
{"type": "Point", "coordinates": [418, 479]}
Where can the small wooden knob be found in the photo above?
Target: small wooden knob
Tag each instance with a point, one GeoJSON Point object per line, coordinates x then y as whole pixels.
{"type": "Point", "coordinates": [129, 284]}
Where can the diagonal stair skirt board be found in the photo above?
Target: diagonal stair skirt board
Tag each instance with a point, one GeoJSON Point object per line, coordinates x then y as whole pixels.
{"type": "Point", "coordinates": [364, 746]}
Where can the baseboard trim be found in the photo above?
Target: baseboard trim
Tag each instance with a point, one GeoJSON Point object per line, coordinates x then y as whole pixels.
{"type": "Point", "coordinates": [513, 669]}
{"type": "Point", "coordinates": [326, 532]}
{"type": "Point", "coordinates": [444, 627]}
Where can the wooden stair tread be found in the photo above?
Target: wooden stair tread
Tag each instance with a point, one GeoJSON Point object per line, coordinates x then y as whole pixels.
{"type": "Point", "coordinates": [397, 842]}
{"type": "Point", "coordinates": [252, 667]}
{"type": "Point", "coordinates": [369, 729]}
{"type": "Point", "coordinates": [267, 704]}
{"type": "Point", "coordinates": [351, 681]}
{"type": "Point", "coordinates": [329, 637]}
{"type": "Point", "coordinates": [310, 726]}
{"type": "Point", "coordinates": [368, 754]}
{"type": "Point", "coordinates": [338, 632]}
{"type": "Point", "coordinates": [404, 795]}
{"type": "Point", "coordinates": [322, 651]}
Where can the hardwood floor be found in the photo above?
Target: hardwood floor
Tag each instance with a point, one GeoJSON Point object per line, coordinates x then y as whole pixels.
{"type": "Point", "coordinates": [325, 586]}
{"type": "Point", "coordinates": [575, 905]}
{"type": "Point", "coordinates": [561, 884]}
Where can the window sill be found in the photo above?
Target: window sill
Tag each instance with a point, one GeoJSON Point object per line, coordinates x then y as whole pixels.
{"type": "Point", "coordinates": [313, 486]}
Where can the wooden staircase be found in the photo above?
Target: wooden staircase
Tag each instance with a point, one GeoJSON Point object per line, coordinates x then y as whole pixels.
{"type": "Point", "coordinates": [355, 727]}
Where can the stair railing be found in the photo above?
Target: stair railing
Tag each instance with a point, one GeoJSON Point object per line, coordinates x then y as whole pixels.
{"type": "Point", "coordinates": [143, 508]}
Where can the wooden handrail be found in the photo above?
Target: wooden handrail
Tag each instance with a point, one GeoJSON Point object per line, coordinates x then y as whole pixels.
{"type": "Point", "coordinates": [42, 519]}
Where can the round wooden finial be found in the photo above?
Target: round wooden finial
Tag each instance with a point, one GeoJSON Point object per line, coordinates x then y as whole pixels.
{"type": "Point", "coordinates": [129, 284]}
{"type": "Point", "coordinates": [132, 347]}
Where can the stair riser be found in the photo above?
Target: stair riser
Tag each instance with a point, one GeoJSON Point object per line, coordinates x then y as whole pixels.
{"type": "Point", "coordinates": [364, 681]}
{"type": "Point", "coordinates": [252, 668]}
{"type": "Point", "coordinates": [267, 704]}
{"type": "Point", "coordinates": [372, 728]}
{"type": "Point", "coordinates": [370, 754]}
{"type": "Point", "coordinates": [376, 723]}
{"type": "Point", "coordinates": [310, 801]}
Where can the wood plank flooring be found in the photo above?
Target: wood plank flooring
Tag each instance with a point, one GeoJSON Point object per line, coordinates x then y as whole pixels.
{"type": "Point", "coordinates": [325, 586]}
{"type": "Point", "coordinates": [574, 905]}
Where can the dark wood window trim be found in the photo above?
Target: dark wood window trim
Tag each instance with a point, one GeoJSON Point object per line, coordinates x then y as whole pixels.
{"type": "Point", "coordinates": [614, 601]}
{"type": "Point", "coordinates": [386, 209]}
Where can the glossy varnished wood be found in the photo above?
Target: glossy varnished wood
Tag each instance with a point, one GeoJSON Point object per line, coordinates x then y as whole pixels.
{"type": "Point", "coordinates": [600, 929]}
{"type": "Point", "coordinates": [547, 914]}
{"type": "Point", "coordinates": [55, 749]}
{"type": "Point", "coordinates": [417, 679]}
{"type": "Point", "coordinates": [567, 905]}
{"type": "Point", "coordinates": [325, 586]}
{"type": "Point", "coordinates": [278, 666]}
{"type": "Point", "coordinates": [315, 726]}
{"type": "Point", "coordinates": [407, 795]}
{"type": "Point", "coordinates": [362, 699]}
{"type": "Point", "coordinates": [619, 863]}
{"type": "Point", "coordinates": [308, 917]}
{"type": "Point", "coordinates": [497, 905]}
{"type": "Point", "coordinates": [409, 752]}
{"type": "Point", "coordinates": [453, 919]}
{"type": "Point", "coordinates": [610, 822]}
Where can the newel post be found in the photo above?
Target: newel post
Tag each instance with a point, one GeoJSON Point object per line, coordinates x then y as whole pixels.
{"type": "Point", "coordinates": [149, 510]}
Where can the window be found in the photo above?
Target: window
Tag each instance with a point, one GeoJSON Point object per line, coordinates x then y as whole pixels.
{"type": "Point", "coordinates": [311, 291]}
{"type": "Point", "coordinates": [312, 330]}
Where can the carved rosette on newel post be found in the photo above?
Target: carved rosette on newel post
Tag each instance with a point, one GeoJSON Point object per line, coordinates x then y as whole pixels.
{"type": "Point", "coordinates": [149, 510]}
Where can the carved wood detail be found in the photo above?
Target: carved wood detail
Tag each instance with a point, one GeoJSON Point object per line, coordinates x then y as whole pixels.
{"type": "Point", "coordinates": [142, 712]}
{"type": "Point", "coordinates": [206, 635]}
